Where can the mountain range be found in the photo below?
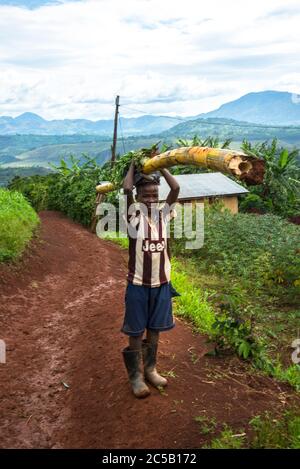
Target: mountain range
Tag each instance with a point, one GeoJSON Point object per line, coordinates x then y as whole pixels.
{"type": "Point", "coordinates": [30, 123]}
{"type": "Point", "coordinates": [265, 107]}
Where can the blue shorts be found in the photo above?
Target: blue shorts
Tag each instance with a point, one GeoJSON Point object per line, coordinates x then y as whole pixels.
{"type": "Point", "coordinates": [148, 308]}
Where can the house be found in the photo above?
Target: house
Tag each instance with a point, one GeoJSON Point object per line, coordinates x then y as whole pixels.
{"type": "Point", "coordinates": [205, 187]}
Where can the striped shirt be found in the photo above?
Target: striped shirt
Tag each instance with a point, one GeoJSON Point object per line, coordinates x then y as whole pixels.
{"type": "Point", "coordinates": [149, 255]}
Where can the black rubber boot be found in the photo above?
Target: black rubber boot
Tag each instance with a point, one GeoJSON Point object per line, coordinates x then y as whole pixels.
{"type": "Point", "coordinates": [133, 361]}
{"type": "Point", "coordinates": [149, 358]}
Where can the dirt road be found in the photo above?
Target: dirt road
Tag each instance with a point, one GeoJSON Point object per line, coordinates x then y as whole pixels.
{"type": "Point", "coordinates": [64, 384]}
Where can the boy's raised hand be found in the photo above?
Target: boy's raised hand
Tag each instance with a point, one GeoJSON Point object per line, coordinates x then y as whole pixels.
{"type": "Point", "coordinates": [128, 183]}
{"type": "Point", "coordinates": [174, 186]}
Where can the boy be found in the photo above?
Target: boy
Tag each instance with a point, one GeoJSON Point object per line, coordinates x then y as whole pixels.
{"type": "Point", "coordinates": [148, 298]}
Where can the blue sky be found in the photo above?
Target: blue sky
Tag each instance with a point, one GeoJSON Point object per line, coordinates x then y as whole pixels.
{"type": "Point", "coordinates": [68, 59]}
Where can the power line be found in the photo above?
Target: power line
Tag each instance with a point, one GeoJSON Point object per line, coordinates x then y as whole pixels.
{"type": "Point", "coordinates": [147, 113]}
{"type": "Point", "coordinates": [132, 109]}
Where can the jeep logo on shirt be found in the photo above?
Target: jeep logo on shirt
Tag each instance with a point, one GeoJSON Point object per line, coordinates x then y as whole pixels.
{"type": "Point", "coordinates": [153, 245]}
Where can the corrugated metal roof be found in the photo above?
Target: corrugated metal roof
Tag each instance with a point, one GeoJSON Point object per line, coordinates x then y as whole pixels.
{"type": "Point", "coordinates": [193, 186]}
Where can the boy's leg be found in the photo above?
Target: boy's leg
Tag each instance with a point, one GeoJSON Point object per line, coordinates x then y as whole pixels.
{"type": "Point", "coordinates": [135, 342]}
{"type": "Point", "coordinates": [150, 347]}
{"type": "Point", "coordinates": [161, 319]}
{"type": "Point", "coordinates": [133, 362]}
{"type": "Point", "coordinates": [152, 336]}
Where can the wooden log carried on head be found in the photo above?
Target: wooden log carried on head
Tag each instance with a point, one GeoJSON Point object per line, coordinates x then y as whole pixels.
{"type": "Point", "coordinates": [243, 167]}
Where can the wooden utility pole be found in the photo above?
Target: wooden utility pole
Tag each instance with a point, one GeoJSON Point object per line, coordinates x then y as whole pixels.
{"type": "Point", "coordinates": [100, 197]}
{"type": "Point", "coordinates": [114, 145]}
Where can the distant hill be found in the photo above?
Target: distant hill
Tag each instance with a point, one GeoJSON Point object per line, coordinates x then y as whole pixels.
{"type": "Point", "coordinates": [30, 123]}
{"type": "Point", "coordinates": [233, 129]}
{"type": "Point", "coordinates": [264, 107]}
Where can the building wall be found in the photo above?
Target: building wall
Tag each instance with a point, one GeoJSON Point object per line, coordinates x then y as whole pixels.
{"type": "Point", "coordinates": [229, 201]}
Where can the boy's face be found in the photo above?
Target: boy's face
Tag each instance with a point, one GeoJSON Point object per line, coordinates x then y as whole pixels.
{"type": "Point", "coordinates": [148, 195]}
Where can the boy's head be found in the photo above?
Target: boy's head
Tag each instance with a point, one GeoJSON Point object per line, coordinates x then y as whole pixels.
{"type": "Point", "coordinates": [147, 190]}
{"type": "Point", "coordinates": [147, 193]}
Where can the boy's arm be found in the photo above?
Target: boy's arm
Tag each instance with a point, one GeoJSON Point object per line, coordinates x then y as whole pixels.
{"type": "Point", "coordinates": [174, 186]}
{"type": "Point", "coordinates": [128, 185]}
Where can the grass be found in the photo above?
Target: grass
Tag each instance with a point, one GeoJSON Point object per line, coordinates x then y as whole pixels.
{"type": "Point", "coordinates": [207, 425]}
{"type": "Point", "coordinates": [228, 439]}
{"type": "Point", "coordinates": [112, 236]}
{"type": "Point", "coordinates": [265, 431]}
{"type": "Point", "coordinates": [193, 303]}
{"type": "Point", "coordinates": [276, 432]}
{"type": "Point", "coordinates": [18, 221]}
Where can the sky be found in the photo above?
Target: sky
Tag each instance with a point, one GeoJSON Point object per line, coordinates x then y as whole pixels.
{"type": "Point", "coordinates": [69, 59]}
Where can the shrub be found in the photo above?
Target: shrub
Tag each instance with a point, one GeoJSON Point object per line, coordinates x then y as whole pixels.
{"type": "Point", "coordinates": [261, 251]}
{"type": "Point", "coordinates": [17, 223]}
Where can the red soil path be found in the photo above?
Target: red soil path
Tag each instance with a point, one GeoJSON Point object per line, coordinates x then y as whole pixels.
{"type": "Point", "coordinates": [60, 314]}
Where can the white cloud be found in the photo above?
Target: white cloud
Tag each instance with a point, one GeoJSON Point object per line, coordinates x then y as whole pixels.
{"type": "Point", "coordinates": [70, 59]}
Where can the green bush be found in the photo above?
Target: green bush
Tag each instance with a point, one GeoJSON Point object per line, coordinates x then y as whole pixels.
{"type": "Point", "coordinates": [70, 190]}
{"type": "Point", "coordinates": [261, 250]}
{"type": "Point", "coordinates": [280, 191]}
{"type": "Point", "coordinates": [17, 223]}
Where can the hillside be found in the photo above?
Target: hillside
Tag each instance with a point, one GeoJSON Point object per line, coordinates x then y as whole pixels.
{"type": "Point", "coordinates": [13, 145]}
{"type": "Point", "coordinates": [236, 130]}
{"type": "Point", "coordinates": [264, 107]}
{"type": "Point", "coordinates": [18, 151]}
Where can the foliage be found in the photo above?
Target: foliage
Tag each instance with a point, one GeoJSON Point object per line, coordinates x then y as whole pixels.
{"type": "Point", "coordinates": [289, 375]}
{"type": "Point", "coordinates": [280, 191]}
{"type": "Point", "coordinates": [266, 431]}
{"type": "Point", "coordinates": [18, 221]}
{"type": "Point", "coordinates": [117, 172]}
{"type": "Point", "coordinates": [235, 332]}
{"type": "Point", "coordinates": [263, 251]}
{"type": "Point", "coordinates": [228, 439]}
{"type": "Point", "coordinates": [71, 189]}
{"type": "Point", "coordinates": [212, 142]}
{"type": "Point", "coordinates": [207, 425]}
{"type": "Point", "coordinates": [276, 432]}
